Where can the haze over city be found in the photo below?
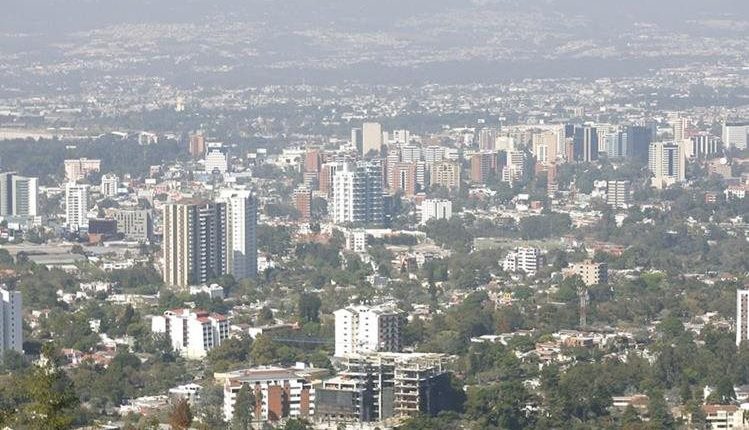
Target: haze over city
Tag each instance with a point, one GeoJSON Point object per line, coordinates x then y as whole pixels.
{"type": "Point", "coordinates": [329, 214]}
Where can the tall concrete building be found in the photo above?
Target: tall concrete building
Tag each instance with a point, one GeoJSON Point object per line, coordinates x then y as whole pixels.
{"type": "Point", "coordinates": [545, 146]}
{"type": "Point", "coordinates": [361, 329]}
{"type": "Point", "coordinates": [371, 137]}
{"type": "Point", "coordinates": [434, 154]}
{"type": "Point", "coordinates": [742, 316]}
{"type": "Point", "coordinates": [515, 166]}
{"type": "Point", "coordinates": [192, 333]}
{"type": "Point", "coordinates": [618, 194]}
{"type": "Point", "coordinates": [445, 174]}
{"type": "Point", "coordinates": [486, 138]}
{"type": "Point", "coordinates": [667, 161]}
{"type": "Point", "coordinates": [357, 140]}
{"type": "Point", "coordinates": [585, 144]}
{"type": "Point", "coordinates": [11, 322]}
{"type": "Point", "coordinates": [312, 160]}
{"type": "Point", "coordinates": [736, 134]}
{"type": "Point", "coordinates": [303, 202]}
{"type": "Point", "coordinates": [590, 272]}
{"type": "Point", "coordinates": [679, 126]}
{"type": "Point", "coordinates": [196, 145]}
{"type": "Point", "coordinates": [436, 209]}
{"type": "Point", "coordinates": [410, 153]}
{"type": "Point", "coordinates": [482, 166]}
{"type": "Point", "coordinates": [109, 185]}
{"type": "Point", "coordinates": [522, 259]}
{"type": "Point", "coordinates": [241, 233]}
{"type": "Point", "coordinates": [357, 194]}
{"type": "Point", "coordinates": [282, 393]}
{"type": "Point", "coordinates": [704, 145]}
{"type": "Point", "coordinates": [18, 195]}
{"type": "Point", "coordinates": [216, 158]}
{"type": "Point", "coordinates": [194, 244]}
{"type": "Point", "coordinates": [134, 224]}
{"type": "Point", "coordinates": [378, 386]}
{"type": "Point", "coordinates": [79, 168]}
{"type": "Point", "coordinates": [327, 171]}
{"type": "Point", "coordinates": [639, 138]}
{"type": "Point", "coordinates": [76, 205]}
{"type": "Point", "coordinates": [402, 178]}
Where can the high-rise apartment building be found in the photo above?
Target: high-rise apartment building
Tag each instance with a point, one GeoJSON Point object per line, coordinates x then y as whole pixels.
{"type": "Point", "coordinates": [486, 138]}
{"type": "Point", "coordinates": [216, 158]}
{"type": "Point", "coordinates": [445, 174]}
{"type": "Point", "coordinates": [521, 259]}
{"type": "Point", "coordinates": [18, 195]}
{"type": "Point", "coordinates": [357, 139]}
{"type": "Point", "coordinates": [76, 205]}
{"type": "Point", "coordinates": [401, 136]}
{"type": "Point", "coordinates": [11, 322]}
{"type": "Point", "coordinates": [679, 126]}
{"type": "Point", "coordinates": [192, 333]}
{"type": "Point", "coordinates": [312, 160]}
{"type": "Point", "coordinates": [194, 244]}
{"type": "Point", "coordinates": [281, 393]}
{"type": "Point", "coordinates": [410, 153]}
{"type": "Point", "coordinates": [514, 168]}
{"type": "Point", "coordinates": [303, 202]}
{"type": "Point", "coordinates": [241, 233]}
{"type": "Point", "coordinates": [736, 134]}
{"type": "Point", "coordinates": [79, 168]}
{"type": "Point", "coordinates": [134, 224]}
{"type": "Point", "coordinates": [436, 209]}
{"type": "Point", "coordinates": [371, 137]}
{"type": "Point", "coordinates": [704, 145]}
{"type": "Point", "coordinates": [357, 193]}
{"type": "Point", "coordinates": [482, 166]}
{"type": "Point", "coordinates": [196, 146]}
{"type": "Point", "coordinates": [742, 316]}
{"type": "Point", "coordinates": [434, 154]}
{"type": "Point", "coordinates": [360, 329]}
{"type": "Point", "coordinates": [545, 146]}
{"type": "Point", "coordinates": [109, 185]}
{"type": "Point", "coordinates": [327, 171]}
{"type": "Point", "coordinates": [356, 240]}
{"type": "Point", "coordinates": [667, 163]}
{"type": "Point", "coordinates": [403, 178]}
{"type": "Point", "coordinates": [618, 194]}
{"type": "Point", "coordinates": [590, 272]}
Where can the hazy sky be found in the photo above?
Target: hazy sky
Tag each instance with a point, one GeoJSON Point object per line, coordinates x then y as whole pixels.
{"type": "Point", "coordinates": [70, 15]}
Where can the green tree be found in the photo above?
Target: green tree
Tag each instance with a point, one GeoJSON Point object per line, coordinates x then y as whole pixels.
{"type": "Point", "coordinates": [500, 406]}
{"type": "Point", "coordinates": [232, 352]}
{"type": "Point", "coordinates": [52, 399]}
{"type": "Point", "coordinates": [660, 417]}
{"type": "Point", "coordinates": [297, 424]}
{"type": "Point", "coordinates": [244, 409]}
{"type": "Point", "coordinates": [180, 417]}
{"type": "Point", "coordinates": [309, 307]}
{"type": "Point", "coordinates": [264, 351]}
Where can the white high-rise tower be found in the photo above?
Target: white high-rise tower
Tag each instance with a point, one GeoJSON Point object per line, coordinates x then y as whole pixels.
{"type": "Point", "coordinates": [742, 316]}
{"type": "Point", "coordinates": [11, 335]}
{"type": "Point", "coordinates": [241, 223]}
{"type": "Point", "coordinates": [76, 205]}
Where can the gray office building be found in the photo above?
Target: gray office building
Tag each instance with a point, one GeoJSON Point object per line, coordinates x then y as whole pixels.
{"type": "Point", "coordinates": [135, 224]}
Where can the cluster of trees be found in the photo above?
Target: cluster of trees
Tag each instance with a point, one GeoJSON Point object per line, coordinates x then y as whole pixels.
{"type": "Point", "coordinates": [44, 158]}
{"type": "Point", "coordinates": [39, 396]}
{"type": "Point", "coordinates": [579, 394]}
